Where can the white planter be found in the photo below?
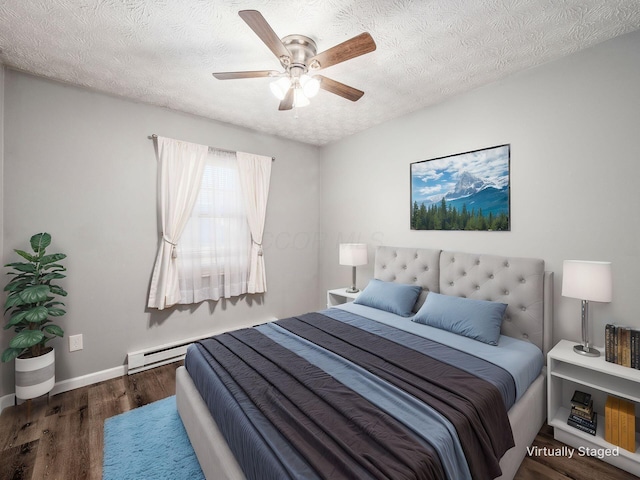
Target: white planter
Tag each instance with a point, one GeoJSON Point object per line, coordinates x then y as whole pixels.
{"type": "Point", "coordinates": [35, 376]}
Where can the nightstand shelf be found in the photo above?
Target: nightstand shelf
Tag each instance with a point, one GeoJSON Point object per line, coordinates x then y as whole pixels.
{"type": "Point", "coordinates": [338, 296]}
{"type": "Point", "coordinates": [566, 372]}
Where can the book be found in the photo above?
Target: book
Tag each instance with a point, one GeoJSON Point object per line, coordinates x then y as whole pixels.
{"type": "Point", "coordinates": [622, 345]}
{"type": "Point", "coordinates": [580, 399]}
{"type": "Point", "coordinates": [588, 415]}
{"type": "Point", "coordinates": [615, 425]}
{"type": "Point", "coordinates": [619, 423]}
{"type": "Point", "coordinates": [627, 425]}
{"type": "Point", "coordinates": [607, 419]}
{"type": "Point", "coordinates": [623, 418]}
{"type": "Point", "coordinates": [635, 348]}
{"type": "Point", "coordinates": [631, 433]}
{"type": "Point", "coordinates": [609, 332]}
{"type": "Point", "coordinates": [637, 335]}
{"type": "Point", "coordinates": [584, 409]}
{"type": "Point", "coordinates": [579, 426]}
{"type": "Point", "coordinates": [625, 346]}
{"type": "Point", "coordinates": [587, 423]}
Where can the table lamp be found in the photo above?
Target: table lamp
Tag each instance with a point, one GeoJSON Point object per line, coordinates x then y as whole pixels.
{"type": "Point", "coordinates": [353, 254]}
{"type": "Point", "coordinates": [587, 281]}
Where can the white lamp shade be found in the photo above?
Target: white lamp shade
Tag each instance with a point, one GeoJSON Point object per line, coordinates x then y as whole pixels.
{"type": "Point", "coordinates": [353, 254]}
{"type": "Point", "coordinates": [587, 280]}
{"type": "Point", "coordinates": [310, 85]}
{"type": "Point", "coordinates": [280, 87]}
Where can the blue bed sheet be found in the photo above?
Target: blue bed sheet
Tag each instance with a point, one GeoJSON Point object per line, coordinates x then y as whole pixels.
{"type": "Point", "coordinates": [523, 360]}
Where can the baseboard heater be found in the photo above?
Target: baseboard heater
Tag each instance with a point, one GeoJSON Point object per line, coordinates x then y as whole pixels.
{"type": "Point", "coordinates": [162, 354]}
{"type": "Point", "coordinates": [154, 357]}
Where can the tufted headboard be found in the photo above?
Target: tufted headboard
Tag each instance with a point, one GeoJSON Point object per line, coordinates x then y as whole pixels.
{"type": "Point", "coordinates": [521, 283]}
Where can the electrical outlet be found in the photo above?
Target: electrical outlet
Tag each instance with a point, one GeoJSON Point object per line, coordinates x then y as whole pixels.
{"type": "Point", "coordinates": [75, 342]}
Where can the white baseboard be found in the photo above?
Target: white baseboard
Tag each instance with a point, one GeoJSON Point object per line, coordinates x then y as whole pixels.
{"type": "Point", "coordinates": [72, 384]}
{"type": "Point", "coordinates": [96, 377]}
{"type": "Point", "coordinates": [89, 379]}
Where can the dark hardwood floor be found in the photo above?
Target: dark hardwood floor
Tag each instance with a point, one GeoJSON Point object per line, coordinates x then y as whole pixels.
{"type": "Point", "coordinates": [62, 439]}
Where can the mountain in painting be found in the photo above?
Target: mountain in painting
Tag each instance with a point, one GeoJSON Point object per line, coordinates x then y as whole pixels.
{"type": "Point", "coordinates": [489, 200]}
{"type": "Point", "coordinates": [467, 185]}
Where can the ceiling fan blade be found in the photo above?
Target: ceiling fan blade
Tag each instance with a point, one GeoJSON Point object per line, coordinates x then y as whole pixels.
{"type": "Point", "coordinates": [352, 48]}
{"type": "Point", "coordinates": [259, 25]}
{"type": "Point", "coordinates": [287, 101]}
{"type": "Point", "coordinates": [340, 89]}
{"type": "Point", "coordinates": [254, 74]}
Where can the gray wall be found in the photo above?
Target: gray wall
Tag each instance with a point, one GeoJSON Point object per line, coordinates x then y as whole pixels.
{"type": "Point", "coordinates": [573, 126]}
{"type": "Point", "coordinates": [78, 165]}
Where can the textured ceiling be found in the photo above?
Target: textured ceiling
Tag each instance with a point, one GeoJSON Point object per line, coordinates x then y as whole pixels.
{"type": "Point", "coordinates": [162, 52]}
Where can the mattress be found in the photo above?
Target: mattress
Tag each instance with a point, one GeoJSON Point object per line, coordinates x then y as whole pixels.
{"type": "Point", "coordinates": [264, 452]}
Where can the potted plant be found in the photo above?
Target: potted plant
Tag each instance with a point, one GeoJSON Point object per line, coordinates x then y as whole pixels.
{"type": "Point", "coordinates": [31, 302]}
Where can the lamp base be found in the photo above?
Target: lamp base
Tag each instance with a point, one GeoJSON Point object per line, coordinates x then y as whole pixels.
{"type": "Point", "coordinates": [587, 351]}
{"type": "Point", "coordinates": [352, 290]}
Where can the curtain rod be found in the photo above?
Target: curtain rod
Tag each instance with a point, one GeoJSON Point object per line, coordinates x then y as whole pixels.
{"type": "Point", "coordinates": [153, 136]}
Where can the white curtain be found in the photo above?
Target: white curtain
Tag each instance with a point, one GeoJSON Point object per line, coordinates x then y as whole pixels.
{"type": "Point", "coordinates": [213, 253]}
{"type": "Point", "coordinates": [255, 174]}
{"type": "Point", "coordinates": [180, 175]}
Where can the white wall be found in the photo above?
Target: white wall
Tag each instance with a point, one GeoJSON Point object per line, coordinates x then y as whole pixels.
{"type": "Point", "coordinates": [573, 126]}
{"type": "Point", "coordinates": [79, 165]}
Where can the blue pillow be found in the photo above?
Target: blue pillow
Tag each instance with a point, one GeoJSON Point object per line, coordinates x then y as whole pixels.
{"type": "Point", "coordinates": [396, 298]}
{"type": "Point", "coordinates": [477, 319]}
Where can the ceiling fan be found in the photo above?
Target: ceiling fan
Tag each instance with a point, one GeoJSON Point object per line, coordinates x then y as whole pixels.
{"type": "Point", "coordinates": [297, 55]}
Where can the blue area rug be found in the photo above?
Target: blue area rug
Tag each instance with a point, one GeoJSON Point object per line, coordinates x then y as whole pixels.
{"type": "Point", "coordinates": [149, 442]}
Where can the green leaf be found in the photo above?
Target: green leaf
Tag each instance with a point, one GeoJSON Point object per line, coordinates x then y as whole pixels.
{"type": "Point", "coordinates": [16, 319]}
{"type": "Point", "coordinates": [40, 241]}
{"type": "Point", "coordinates": [35, 293]}
{"type": "Point", "coordinates": [57, 266]}
{"type": "Point", "coordinates": [54, 330]}
{"type": "Point", "coordinates": [51, 304]}
{"type": "Point", "coordinates": [13, 300]}
{"type": "Point", "coordinates": [22, 267]}
{"type": "Point", "coordinates": [26, 339]}
{"type": "Point", "coordinates": [21, 275]}
{"type": "Point", "coordinates": [37, 314]}
{"type": "Point", "coordinates": [54, 257]}
{"type": "Point", "coordinates": [25, 255]}
{"type": "Point", "coordinates": [11, 353]}
{"type": "Point", "coordinates": [58, 290]}
{"type": "Point", "coordinates": [56, 312]}
{"type": "Point", "coordinates": [17, 284]}
{"type": "Point", "coordinates": [51, 276]}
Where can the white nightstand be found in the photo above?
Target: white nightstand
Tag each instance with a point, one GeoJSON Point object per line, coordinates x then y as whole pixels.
{"type": "Point", "coordinates": [568, 371]}
{"type": "Point", "coordinates": [338, 296]}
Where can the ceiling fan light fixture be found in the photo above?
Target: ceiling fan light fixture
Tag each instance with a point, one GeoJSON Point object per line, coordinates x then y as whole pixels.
{"type": "Point", "coordinates": [310, 85]}
{"type": "Point", "coordinates": [299, 99]}
{"type": "Point", "coordinates": [298, 55]}
{"type": "Point", "coordinates": [280, 87]}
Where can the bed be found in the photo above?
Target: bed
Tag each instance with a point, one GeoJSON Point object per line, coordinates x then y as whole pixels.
{"type": "Point", "coordinates": [319, 346]}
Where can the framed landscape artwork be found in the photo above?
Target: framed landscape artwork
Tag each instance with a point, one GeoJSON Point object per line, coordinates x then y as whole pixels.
{"type": "Point", "coordinates": [465, 191]}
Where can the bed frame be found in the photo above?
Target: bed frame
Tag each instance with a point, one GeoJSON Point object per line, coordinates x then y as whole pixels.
{"type": "Point", "coordinates": [519, 282]}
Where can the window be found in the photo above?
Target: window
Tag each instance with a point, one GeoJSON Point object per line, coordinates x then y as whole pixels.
{"type": "Point", "coordinates": [213, 252]}
{"type": "Point", "coordinates": [212, 206]}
